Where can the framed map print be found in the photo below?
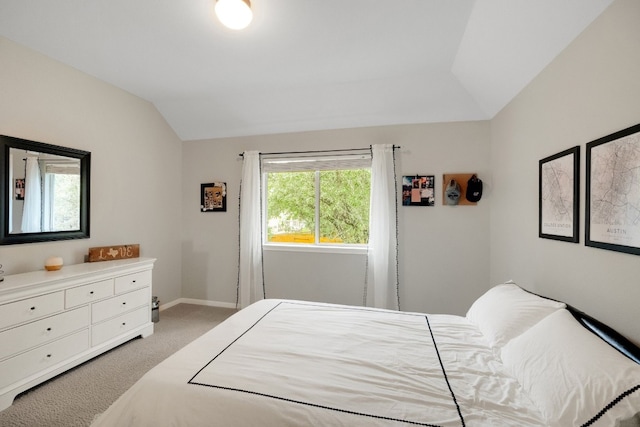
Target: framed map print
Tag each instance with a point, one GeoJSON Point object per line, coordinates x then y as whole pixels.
{"type": "Point", "coordinates": [559, 191]}
{"type": "Point", "coordinates": [612, 219]}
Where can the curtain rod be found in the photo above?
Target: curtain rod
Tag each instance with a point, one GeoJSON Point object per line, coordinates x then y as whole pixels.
{"type": "Point", "coordinates": [318, 151]}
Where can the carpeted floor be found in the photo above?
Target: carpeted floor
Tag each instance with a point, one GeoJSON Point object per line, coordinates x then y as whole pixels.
{"type": "Point", "coordinates": [74, 398]}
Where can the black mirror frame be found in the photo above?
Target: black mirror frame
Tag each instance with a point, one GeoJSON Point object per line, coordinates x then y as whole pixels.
{"type": "Point", "coordinates": [8, 142]}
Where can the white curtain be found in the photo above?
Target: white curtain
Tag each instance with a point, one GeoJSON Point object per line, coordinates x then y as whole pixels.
{"type": "Point", "coordinates": [381, 289]}
{"type": "Point", "coordinates": [250, 272]}
{"type": "Point", "coordinates": [31, 210]}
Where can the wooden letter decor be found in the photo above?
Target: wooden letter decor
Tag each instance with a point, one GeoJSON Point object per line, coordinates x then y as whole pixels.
{"type": "Point", "coordinates": [108, 253]}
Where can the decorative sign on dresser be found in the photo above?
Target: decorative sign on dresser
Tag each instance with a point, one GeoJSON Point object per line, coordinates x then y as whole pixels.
{"type": "Point", "coordinates": [51, 321]}
{"type": "Point", "coordinates": [110, 253]}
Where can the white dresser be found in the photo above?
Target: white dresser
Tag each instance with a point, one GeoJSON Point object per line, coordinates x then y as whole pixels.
{"type": "Point", "coordinates": [51, 321]}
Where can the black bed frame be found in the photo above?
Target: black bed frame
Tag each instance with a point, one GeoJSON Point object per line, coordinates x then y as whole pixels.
{"type": "Point", "coordinates": [606, 333]}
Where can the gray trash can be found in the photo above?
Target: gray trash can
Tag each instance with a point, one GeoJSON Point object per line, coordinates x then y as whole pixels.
{"type": "Point", "coordinates": [155, 309]}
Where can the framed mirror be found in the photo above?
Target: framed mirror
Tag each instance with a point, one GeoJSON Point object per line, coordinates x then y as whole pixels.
{"type": "Point", "coordinates": [44, 191]}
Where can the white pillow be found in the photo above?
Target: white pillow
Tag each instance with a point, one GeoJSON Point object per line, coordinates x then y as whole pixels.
{"type": "Point", "coordinates": [574, 377]}
{"type": "Point", "coordinates": [505, 311]}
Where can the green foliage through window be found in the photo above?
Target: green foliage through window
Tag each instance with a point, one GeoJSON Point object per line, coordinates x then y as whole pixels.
{"type": "Point", "coordinates": [67, 202]}
{"type": "Point", "coordinates": [337, 199]}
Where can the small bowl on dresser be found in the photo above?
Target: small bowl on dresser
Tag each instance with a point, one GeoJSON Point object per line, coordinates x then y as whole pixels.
{"type": "Point", "coordinates": [53, 263]}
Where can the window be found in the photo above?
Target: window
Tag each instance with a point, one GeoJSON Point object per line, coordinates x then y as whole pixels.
{"type": "Point", "coordinates": [316, 200]}
{"type": "Point", "coordinates": [61, 196]}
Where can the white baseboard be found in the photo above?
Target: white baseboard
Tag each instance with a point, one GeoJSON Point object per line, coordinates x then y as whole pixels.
{"type": "Point", "coordinates": [197, 302]}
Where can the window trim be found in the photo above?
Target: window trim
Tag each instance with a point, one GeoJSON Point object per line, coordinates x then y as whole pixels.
{"type": "Point", "coordinates": [352, 249]}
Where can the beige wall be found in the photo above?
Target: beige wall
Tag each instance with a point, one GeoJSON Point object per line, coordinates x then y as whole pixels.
{"type": "Point", "coordinates": [135, 170]}
{"type": "Point", "coordinates": [448, 256]}
{"type": "Point", "coordinates": [444, 250]}
{"type": "Point", "coordinates": [590, 90]}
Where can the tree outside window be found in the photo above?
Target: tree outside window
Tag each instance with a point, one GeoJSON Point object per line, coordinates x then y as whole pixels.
{"type": "Point", "coordinates": [318, 207]}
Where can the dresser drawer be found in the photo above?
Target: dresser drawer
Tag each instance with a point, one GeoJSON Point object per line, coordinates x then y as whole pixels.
{"type": "Point", "coordinates": [32, 334]}
{"type": "Point", "coordinates": [133, 281]}
{"type": "Point", "coordinates": [22, 366]}
{"type": "Point", "coordinates": [25, 310]}
{"type": "Point", "coordinates": [112, 328]}
{"type": "Point", "coordinates": [86, 293]}
{"type": "Point", "coordinates": [119, 304]}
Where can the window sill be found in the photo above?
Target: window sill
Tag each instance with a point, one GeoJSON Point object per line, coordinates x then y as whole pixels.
{"type": "Point", "coordinates": [333, 249]}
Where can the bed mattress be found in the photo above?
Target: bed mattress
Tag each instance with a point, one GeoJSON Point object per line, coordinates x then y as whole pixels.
{"type": "Point", "coordinates": [293, 363]}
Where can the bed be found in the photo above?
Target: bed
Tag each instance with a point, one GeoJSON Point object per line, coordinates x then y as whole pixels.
{"type": "Point", "coordinates": [515, 359]}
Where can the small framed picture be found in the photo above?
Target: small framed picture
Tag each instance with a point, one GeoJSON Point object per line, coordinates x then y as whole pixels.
{"type": "Point", "coordinates": [559, 196]}
{"type": "Point", "coordinates": [417, 190]}
{"type": "Point", "coordinates": [213, 197]}
{"type": "Point", "coordinates": [19, 189]}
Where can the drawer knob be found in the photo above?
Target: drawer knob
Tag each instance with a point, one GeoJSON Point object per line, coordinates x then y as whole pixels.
{"type": "Point", "coordinates": [124, 303]}
{"type": "Point", "coordinates": [91, 293]}
{"type": "Point", "coordinates": [48, 329]}
{"type": "Point", "coordinates": [49, 355]}
{"type": "Point", "coordinates": [133, 281]}
{"type": "Point", "coordinates": [124, 323]}
{"type": "Point", "coordinates": [33, 308]}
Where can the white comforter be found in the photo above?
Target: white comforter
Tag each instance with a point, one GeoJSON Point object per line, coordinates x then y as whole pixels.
{"type": "Point", "coordinates": [292, 363]}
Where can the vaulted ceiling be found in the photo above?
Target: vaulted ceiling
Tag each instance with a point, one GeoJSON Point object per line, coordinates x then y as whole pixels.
{"type": "Point", "coordinates": [306, 64]}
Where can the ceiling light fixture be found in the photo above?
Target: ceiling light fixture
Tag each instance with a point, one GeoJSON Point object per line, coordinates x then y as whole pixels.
{"type": "Point", "coordinates": [234, 14]}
